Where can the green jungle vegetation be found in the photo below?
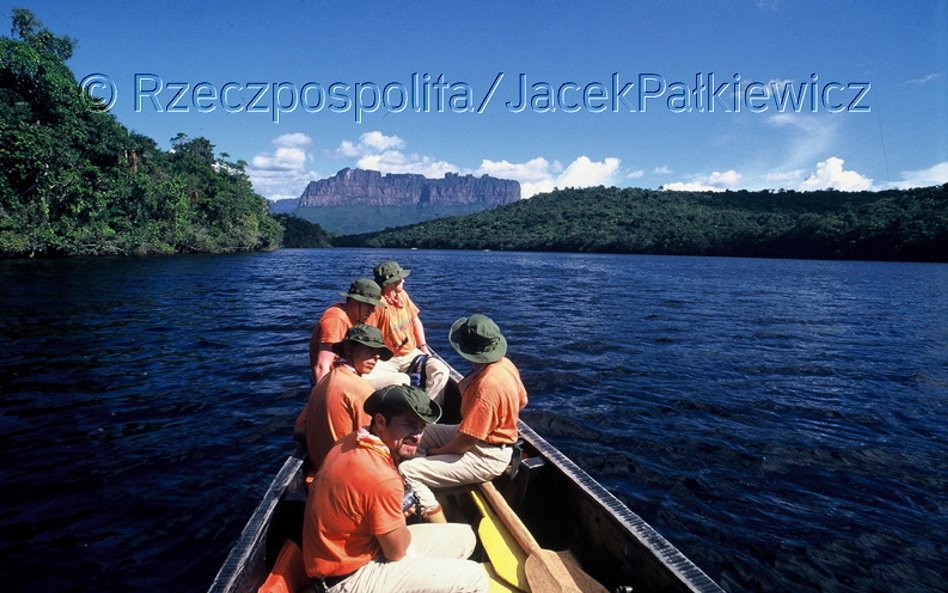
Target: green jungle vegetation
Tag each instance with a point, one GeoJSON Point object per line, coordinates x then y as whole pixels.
{"type": "Point", "coordinates": [74, 181]}
{"type": "Point", "coordinates": [909, 225]}
{"type": "Point", "coordinates": [298, 232]}
{"type": "Point", "coordinates": [346, 220]}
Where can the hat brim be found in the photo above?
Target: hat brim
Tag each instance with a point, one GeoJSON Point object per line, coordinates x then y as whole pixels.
{"type": "Point", "coordinates": [339, 348]}
{"type": "Point", "coordinates": [362, 298]}
{"type": "Point", "coordinates": [431, 415]}
{"type": "Point", "coordinates": [384, 398]}
{"type": "Point", "coordinates": [399, 276]}
{"type": "Point", "coordinates": [483, 357]}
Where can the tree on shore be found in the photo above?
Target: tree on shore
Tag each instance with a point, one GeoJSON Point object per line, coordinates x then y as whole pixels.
{"type": "Point", "coordinates": [75, 181]}
{"type": "Point", "coordinates": [909, 224]}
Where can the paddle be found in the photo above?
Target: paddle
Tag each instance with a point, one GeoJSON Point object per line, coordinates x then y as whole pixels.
{"type": "Point", "coordinates": [495, 584]}
{"type": "Point", "coordinates": [546, 571]}
{"type": "Point", "coordinates": [506, 556]}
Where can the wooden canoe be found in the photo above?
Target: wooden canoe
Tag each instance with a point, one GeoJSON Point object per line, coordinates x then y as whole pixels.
{"type": "Point", "coordinates": [562, 506]}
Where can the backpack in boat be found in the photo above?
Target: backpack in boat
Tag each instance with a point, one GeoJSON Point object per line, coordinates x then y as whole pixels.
{"type": "Point", "coordinates": [418, 372]}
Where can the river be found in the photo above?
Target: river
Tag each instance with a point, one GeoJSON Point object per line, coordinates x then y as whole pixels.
{"type": "Point", "coordinates": [784, 423]}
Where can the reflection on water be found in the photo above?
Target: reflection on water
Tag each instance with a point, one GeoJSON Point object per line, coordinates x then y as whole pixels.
{"type": "Point", "coordinates": [782, 422]}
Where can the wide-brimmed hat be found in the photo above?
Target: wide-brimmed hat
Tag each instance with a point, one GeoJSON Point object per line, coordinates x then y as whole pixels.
{"type": "Point", "coordinates": [388, 272]}
{"type": "Point", "coordinates": [365, 335]}
{"type": "Point", "coordinates": [365, 290]}
{"type": "Point", "coordinates": [403, 398]}
{"type": "Point", "coordinates": [478, 339]}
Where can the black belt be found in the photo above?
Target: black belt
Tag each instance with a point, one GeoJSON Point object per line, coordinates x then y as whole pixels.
{"type": "Point", "coordinates": [325, 583]}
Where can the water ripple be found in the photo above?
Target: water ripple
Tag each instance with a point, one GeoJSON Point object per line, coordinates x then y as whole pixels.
{"type": "Point", "coordinates": [782, 422]}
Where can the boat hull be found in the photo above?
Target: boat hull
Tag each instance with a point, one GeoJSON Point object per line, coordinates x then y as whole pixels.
{"type": "Point", "coordinates": [563, 506]}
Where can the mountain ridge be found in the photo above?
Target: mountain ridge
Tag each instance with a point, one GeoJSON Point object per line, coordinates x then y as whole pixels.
{"type": "Point", "coordinates": [360, 200]}
{"type": "Point", "coordinates": [363, 186]}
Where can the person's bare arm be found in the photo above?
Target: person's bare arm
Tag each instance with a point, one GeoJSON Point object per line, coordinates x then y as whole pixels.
{"type": "Point", "coordinates": [395, 543]}
{"type": "Point", "coordinates": [324, 361]}
{"type": "Point", "coordinates": [419, 330]}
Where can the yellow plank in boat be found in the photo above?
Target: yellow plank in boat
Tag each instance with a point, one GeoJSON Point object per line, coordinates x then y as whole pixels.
{"type": "Point", "coordinates": [507, 558]}
{"type": "Point", "coordinates": [497, 584]}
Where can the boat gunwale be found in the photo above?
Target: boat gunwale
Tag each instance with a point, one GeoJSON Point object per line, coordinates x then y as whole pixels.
{"type": "Point", "coordinates": [671, 557]}
{"type": "Point", "coordinates": [687, 572]}
{"type": "Point", "coordinates": [251, 538]}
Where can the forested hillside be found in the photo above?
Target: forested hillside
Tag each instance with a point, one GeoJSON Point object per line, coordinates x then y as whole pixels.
{"type": "Point", "coordinates": [75, 181]}
{"type": "Point", "coordinates": [890, 225]}
{"type": "Point", "coordinates": [301, 233]}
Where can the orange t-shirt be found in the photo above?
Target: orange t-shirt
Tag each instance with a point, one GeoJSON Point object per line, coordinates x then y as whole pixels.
{"type": "Point", "coordinates": [331, 329]}
{"type": "Point", "coordinates": [334, 410]}
{"type": "Point", "coordinates": [491, 404]}
{"type": "Point", "coordinates": [357, 495]}
{"type": "Point", "coordinates": [396, 320]}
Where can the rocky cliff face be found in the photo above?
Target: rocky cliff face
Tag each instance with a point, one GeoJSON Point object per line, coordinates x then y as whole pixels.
{"type": "Point", "coordinates": [354, 187]}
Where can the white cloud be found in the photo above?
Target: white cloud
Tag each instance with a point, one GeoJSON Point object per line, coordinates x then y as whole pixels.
{"type": "Point", "coordinates": [830, 173]}
{"type": "Point", "coordinates": [348, 149]}
{"type": "Point", "coordinates": [282, 173]}
{"type": "Point", "coordinates": [295, 139]}
{"type": "Point", "coordinates": [636, 174]}
{"type": "Point", "coordinates": [393, 161]}
{"type": "Point", "coordinates": [288, 156]}
{"type": "Point", "coordinates": [690, 186]}
{"type": "Point", "coordinates": [539, 175]}
{"type": "Point", "coordinates": [663, 170]}
{"type": "Point", "coordinates": [934, 175]}
{"type": "Point", "coordinates": [729, 178]}
{"type": "Point", "coordinates": [534, 170]}
{"type": "Point", "coordinates": [584, 172]}
{"type": "Point", "coordinates": [373, 142]}
{"type": "Point", "coordinates": [283, 159]}
{"type": "Point", "coordinates": [716, 181]}
{"type": "Point", "coordinates": [924, 79]}
{"type": "Point", "coordinates": [380, 141]}
{"type": "Point", "coordinates": [378, 152]}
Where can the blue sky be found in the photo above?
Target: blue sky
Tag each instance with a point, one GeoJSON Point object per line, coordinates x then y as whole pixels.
{"type": "Point", "coordinates": [739, 94]}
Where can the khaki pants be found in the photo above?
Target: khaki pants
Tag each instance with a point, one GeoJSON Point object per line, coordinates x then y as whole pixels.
{"type": "Point", "coordinates": [480, 463]}
{"type": "Point", "coordinates": [435, 563]}
{"type": "Point", "coordinates": [392, 372]}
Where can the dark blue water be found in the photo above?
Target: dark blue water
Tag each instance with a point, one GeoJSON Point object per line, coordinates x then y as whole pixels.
{"type": "Point", "coordinates": [784, 423]}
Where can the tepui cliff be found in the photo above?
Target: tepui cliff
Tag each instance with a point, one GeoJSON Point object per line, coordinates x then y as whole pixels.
{"type": "Point", "coordinates": [350, 187]}
{"type": "Point", "coordinates": [359, 201]}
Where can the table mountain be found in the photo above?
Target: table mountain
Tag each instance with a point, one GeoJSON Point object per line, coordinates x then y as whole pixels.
{"type": "Point", "coordinates": [358, 201]}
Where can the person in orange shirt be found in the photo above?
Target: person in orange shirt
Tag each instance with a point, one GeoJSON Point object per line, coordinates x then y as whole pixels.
{"type": "Point", "coordinates": [363, 297]}
{"type": "Point", "coordinates": [404, 335]}
{"type": "Point", "coordinates": [335, 404]}
{"type": "Point", "coordinates": [492, 396]}
{"type": "Point", "coordinates": [355, 537]}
